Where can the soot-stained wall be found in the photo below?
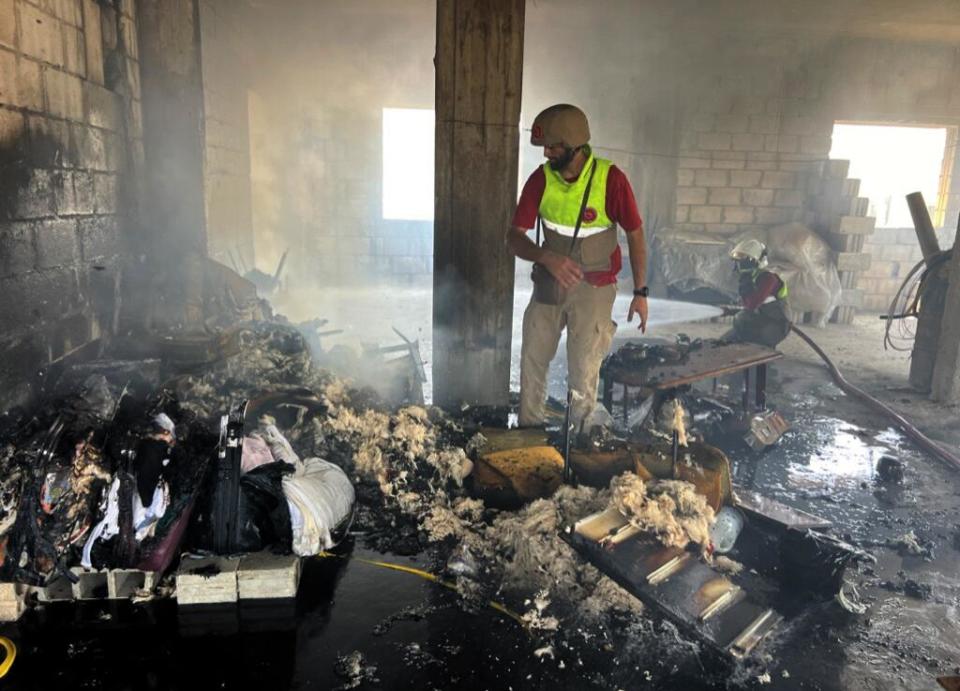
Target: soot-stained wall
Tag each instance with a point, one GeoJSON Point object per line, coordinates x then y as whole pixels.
{"type": "Point", "coordinates": [69, 141]}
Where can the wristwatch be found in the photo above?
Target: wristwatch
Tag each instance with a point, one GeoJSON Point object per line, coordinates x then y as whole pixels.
{"type": "Point", "coordinates": [641, 292]}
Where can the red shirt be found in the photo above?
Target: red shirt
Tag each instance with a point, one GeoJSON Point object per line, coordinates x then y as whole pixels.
{"type": "Point", "coordinates": [766, 285]}
{"type": "Point", "coordinates": [621, 208]}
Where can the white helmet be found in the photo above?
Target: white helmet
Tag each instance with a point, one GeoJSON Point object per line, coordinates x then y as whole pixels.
{"type": "Point", "coordinates": [751, 248]}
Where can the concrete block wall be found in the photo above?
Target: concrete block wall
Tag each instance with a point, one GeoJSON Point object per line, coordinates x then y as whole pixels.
{"type": "Point", "coordinates": [223, 36]}
{"type": "Point", "coordinates": [748, 166]}
{"type": "Point", "coordinates": [68, 78]}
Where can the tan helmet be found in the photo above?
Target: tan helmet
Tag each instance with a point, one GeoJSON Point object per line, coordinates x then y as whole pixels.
{"type": "Point", "coordinates": [560, 124]}
{"type": "Point", "coordinates": [751, 248]}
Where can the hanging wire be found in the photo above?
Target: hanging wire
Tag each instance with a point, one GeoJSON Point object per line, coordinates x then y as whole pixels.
{"type": "Point", "coordinates": [906, 304]}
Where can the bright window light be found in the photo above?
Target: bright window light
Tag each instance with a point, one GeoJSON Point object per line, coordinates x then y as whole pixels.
{"type": "Point", "coordinates": [891, 162]}
{"type": "Point", "coordinates": [408, 135]}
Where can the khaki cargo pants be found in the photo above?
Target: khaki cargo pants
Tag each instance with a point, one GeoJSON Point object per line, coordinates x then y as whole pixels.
{"type": "Point", "coordinates": [586, 315]}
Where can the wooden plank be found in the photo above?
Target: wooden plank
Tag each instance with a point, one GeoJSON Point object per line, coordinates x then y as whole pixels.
{"type": "Point", "coordinates": [706, 363]}
{"type": "Point", "coordinates": [478, 85]}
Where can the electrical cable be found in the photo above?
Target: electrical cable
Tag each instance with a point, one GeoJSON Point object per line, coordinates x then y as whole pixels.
{"type": "Point", "coordinates": [427, 576]}
{"type": "Point", "coordinates": [916, 436]}
{"type": "Point", "coordinates": [913, 291]}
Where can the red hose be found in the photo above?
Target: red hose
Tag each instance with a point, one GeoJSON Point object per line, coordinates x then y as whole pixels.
{"type": "Point", "coordinates": [916, 436]}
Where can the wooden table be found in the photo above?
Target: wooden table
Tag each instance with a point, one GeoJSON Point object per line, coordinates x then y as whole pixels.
{"type": "Point", "coordinates": [709, 362]}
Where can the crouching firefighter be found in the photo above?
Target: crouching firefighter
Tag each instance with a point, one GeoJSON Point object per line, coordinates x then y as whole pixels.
{"type": "Point", "coordinates": [575, 200]}
{"type": "Point", "coordinates": [765, 319]}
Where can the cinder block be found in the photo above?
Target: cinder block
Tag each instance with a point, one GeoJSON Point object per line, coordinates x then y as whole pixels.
{"type": "Point", "coordinates": [776, 215]}
{"type": "Point", "coordinates": [853, 225]}
{"type": "Point", "coordinates": [781, 180]}
{"type": "Point", "coordinates": [123, 584]}
{"type": "Point", "coordinates": [748, 142]}
{"type": "Point", "coordinates": [788, 198]}
{"type": "Point", "coordinates": [738, 214]}
{"type": "Point", "coordinates": [8, 23]}
{"type": "Point", "coordinates": [816, 144]}
{"type": "Point", "coordinates": [758, 197]}
{"type": "Point", "coordinates": [90, 585]}
{"type": "Point", "coordinates": [74, 51]}
{"type": "Point", "coordinates": [128, 32]}
{"type": "Point", "coordinates": [684, 177]}
{"type": "Point", "coordinates": [682, 213]}
{"type": "Point", "coordinates": [108, 27]}
{"type": "Point", "coordinates": [798, 124]}
{"type": "Point", "coordinates": [36, 197]}
{"type": "Point", "coordinates": [729, 163]}
{"type": "Point", "coordinates": [734, 124]}
{"type": "Point", "coordinates": [714, 141]}
{"type": "Point", "coordinates": [703, 122]}
{"type": "Point", "coordinates": [690, 227]}
{"type": "Point", "coordinates": [721, 228]}
{"type": "Point", "coordinates": [851, 297]}
{"type": "Point", "coordinates": [13, 601]}
{"type": "Point", "coordinates": [133, 77]}
{"type": "Point", "coordinates": [706, 214]}
{"type": "Point", "coordinates": [267, 576]}
{"type": "Point", "coordinates": [853, 261]}
{"type": "Point", "coordinates": [99, 237]}
{"type": "Point", "coordinates": [850, 187]}
{"type": "Point", "coordinates": [745, 178]}
{"type": "Point", "coordinates": [56, 243]}
{"type": "Point", "coordinates": [19, 253]}
{"type": "Point", "coordinates": [93, 41]}
{"type": "Point", "coordinates": [692, 196]}
{"type": "Point", "coordinates": [764, 124]}
{"type": "Point", "coordinates": [64, 94]}
{"type": "Point", "coordinates": [687, 160]}
{"type": "Point", "coordinates": [58, 590]}
{"type": "Point", "coordinates": [837, 169]}
{"type": "Point", "coordinates": [711, 178]}
{"type": "Point", "coordinates": [724, 196]}
{"type": "Point", "coordinates": [12, 126]}
{"type": "Point", "coordinates": [40, 35]}
{"type": "Point", "coordinates": [747, 105]}
{"type": "Point", "coordinates": [209, 580]}
{"type": "Point", "coordinates": [85, 200]}
{"type": "Point", "coordinates": [782, 143]}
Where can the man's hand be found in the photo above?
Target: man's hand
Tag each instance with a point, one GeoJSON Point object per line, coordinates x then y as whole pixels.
{"type": "Point", "coordinates": [638, 306]}
{"type": "Point", "coordinates": [567, 272]}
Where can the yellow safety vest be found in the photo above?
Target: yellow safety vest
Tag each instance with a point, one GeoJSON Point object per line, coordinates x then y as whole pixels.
{"type": "Point", "coordinates": [560, 205]}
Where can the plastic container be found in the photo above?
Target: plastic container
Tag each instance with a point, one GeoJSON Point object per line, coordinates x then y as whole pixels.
{"type": "Point", "coordinates": [726, 529]}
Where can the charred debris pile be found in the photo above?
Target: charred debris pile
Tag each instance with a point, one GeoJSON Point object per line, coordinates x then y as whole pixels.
{"type": "Point", "coordinates": [118, 468]}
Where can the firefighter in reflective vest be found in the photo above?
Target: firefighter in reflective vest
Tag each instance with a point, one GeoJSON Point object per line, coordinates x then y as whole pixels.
{"type": "Point", "coordinates": [765, 318]}
{"type": "Point", "coordinates": [577, 199]}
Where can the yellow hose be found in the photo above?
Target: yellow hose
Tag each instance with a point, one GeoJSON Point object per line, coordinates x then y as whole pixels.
{"type": "Point", "coordinates": [430, 577]}
{"type": "Point", "coordinates": [11, 655]}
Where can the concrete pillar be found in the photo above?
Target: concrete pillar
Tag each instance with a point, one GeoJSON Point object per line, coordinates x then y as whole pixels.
{"type": "Point", "coordinates": [173, 233]}
{"type": "Point", "coordinates": [479, 65]}
{"type": "Point", "coordinates": [946, 369]}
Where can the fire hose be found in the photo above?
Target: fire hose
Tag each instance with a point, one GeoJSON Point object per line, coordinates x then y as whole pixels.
{"type": "Point", "coordinates": [925, 444]}
{"type": "Point", "coordinates": [426, 575]}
